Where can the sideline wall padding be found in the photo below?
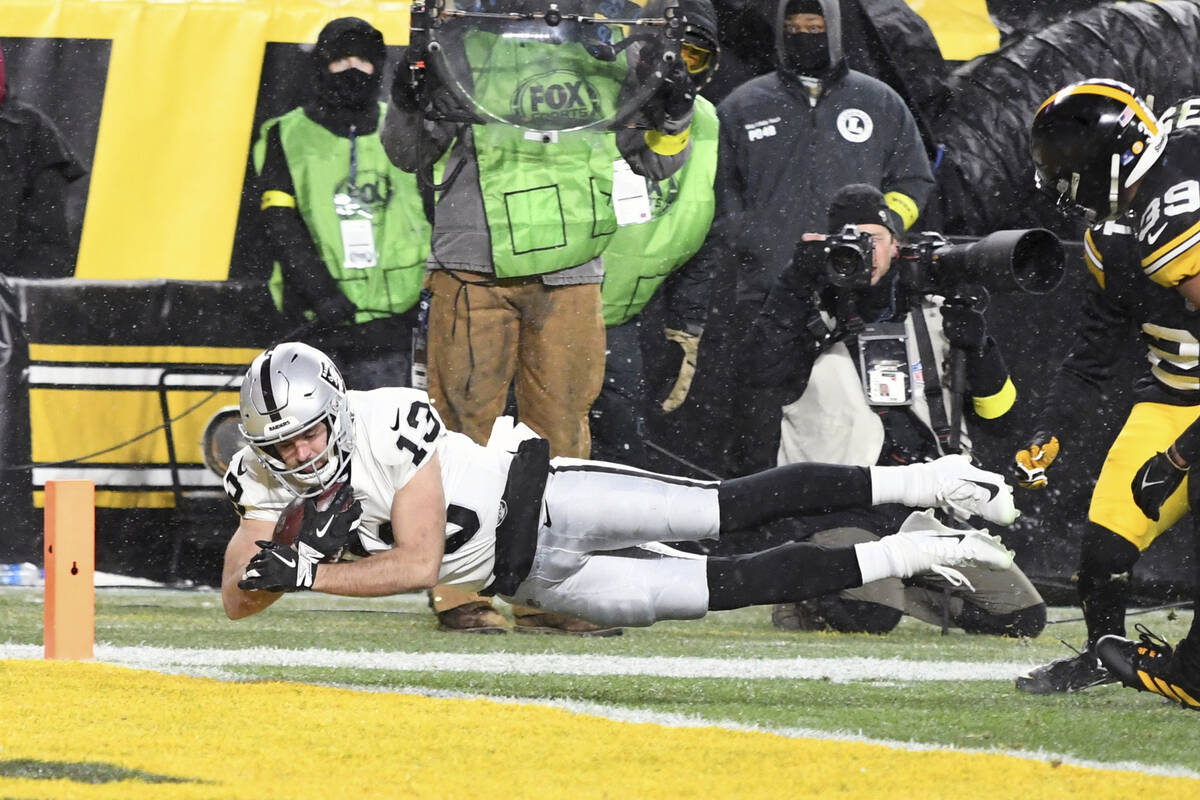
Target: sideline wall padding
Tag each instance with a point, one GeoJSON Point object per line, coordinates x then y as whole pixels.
{"type": "Point", "coordinates": [123, 377]}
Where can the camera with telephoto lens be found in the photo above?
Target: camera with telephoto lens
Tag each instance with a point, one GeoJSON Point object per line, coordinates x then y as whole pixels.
{"type": "Point", "coordinates": [843, 259]}
{"type": "Point", "coordinates": [1030, 261]}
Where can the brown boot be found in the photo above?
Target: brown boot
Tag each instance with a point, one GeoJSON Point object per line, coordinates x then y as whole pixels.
{"type": "Point", "coordinates": [561, 625]}
{"type": "Point", "coordinates": [476, 617]}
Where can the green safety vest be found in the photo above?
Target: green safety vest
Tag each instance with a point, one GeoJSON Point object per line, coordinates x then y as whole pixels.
{"type": "Point", "coordinates": [319, 162]}
{"type": "Point", "coordinates": [548, 203]}
{"type": "Point", "coordinates": [640, 257]}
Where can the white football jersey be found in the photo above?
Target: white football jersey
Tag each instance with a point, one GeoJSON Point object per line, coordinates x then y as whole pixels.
{"type": "Point", "coordinates": [395, 432]}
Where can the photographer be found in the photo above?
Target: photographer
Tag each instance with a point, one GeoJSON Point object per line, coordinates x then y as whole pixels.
{"type": "Point", "coordinates": [834, 373]}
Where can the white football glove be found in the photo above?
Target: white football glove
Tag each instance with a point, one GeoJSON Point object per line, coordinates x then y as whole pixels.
{"type": "Point", "coordinates": [950, 483]}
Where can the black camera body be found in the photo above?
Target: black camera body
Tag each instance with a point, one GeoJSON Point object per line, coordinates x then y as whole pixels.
{"type": "Point", "coordinates": [844, 259]}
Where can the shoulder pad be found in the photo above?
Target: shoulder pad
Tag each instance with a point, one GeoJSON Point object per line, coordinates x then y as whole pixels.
{"type": "Point", "coordinates": [400, 425]}
{"type": "Point", "coordinates": [253, 490]}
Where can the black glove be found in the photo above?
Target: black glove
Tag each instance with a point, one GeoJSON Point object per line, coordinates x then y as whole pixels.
{"type": "Point", "coordinates": [279, 568]}
{"type": "Point", "coordinates": [673, 102]}
{"type": "Point", "coordinates": [330, 525]}
{"type": "Point", "coordinates": [964, 327]}
{"type": "Point", "coordinates": [408, 86]}
{"type": "Point", "coordinates": [1030, 463]}
{"type": "Point", "coordinates": [335, 308]}
{"type": "Point", "coordinates": [1155, 481]}
{"type": "Point", "coordinates": [803, 277]}
{"type": "Point", "coordinates": [679, 92]}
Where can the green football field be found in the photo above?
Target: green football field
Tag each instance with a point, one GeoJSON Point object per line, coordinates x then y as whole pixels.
{"type": "Point", "coordinates": [914, 686]}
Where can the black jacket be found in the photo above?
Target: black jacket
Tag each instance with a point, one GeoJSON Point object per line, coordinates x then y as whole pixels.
{"type": "Point", "coordinates": [36, 168]}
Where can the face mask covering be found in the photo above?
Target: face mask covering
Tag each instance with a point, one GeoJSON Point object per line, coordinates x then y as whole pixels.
{"type": "Point", "coordinates": [350, 88]}
{"type": "Point", "coordinates": [807, 53]}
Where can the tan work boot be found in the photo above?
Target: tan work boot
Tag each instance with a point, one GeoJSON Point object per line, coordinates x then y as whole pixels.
{"type": "Point", "coordinates": [476, 617]}
{"type": "Point", "coordinates": [561, 625]}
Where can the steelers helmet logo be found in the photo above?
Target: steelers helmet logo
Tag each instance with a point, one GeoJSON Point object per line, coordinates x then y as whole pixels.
{"type": "Point", "coordinates": [556, 97]}
{"type": "Point", "coordinates": [855, 125]}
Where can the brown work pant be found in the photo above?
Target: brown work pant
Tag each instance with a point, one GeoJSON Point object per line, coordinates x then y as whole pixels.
{"type": "Point", "coordinates": [487, 333]}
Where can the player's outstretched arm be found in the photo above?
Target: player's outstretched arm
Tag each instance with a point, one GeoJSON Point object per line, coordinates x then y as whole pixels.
{"type": "Point", "coordinates": [242, 547]}
{"type": "Point", "coordinates": [419, 525]}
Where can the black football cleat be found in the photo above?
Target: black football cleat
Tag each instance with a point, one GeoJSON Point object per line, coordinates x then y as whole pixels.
{"type": "Point", "coordinates": [1149, 665]}
{"type": "Point", "coordinates": [1071, 674]}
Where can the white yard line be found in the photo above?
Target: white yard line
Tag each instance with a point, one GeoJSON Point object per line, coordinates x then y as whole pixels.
{"type": "Point", "coordinates": [836, 670]}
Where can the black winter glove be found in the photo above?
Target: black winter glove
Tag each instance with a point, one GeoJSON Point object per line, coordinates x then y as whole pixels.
{"type": "Point", "coordinates": [670, 108]}
{"type": "Point", "coordinates": [330, 524]}
{"type": "Point", "coordinates": [335, 308]}
{"type": "Point", "coordinates": [965, 328]}
{"type": "Point", "coordinates": [679, 93]}
{"type": "Point", "coordinates": [1155, 481]}
{"type": "Point", "coordinates": [279, 568]}
{"type": "Point", "coordinates": [408, 81]}
{"type": "Point", "coordinates": [803, 277]}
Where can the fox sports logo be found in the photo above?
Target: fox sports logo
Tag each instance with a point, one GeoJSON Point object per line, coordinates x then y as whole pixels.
{"type": "Point", "coordinates": [559, 96]}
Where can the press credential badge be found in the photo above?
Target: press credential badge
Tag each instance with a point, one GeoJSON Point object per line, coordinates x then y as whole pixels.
{"type": "Point", "coordinates": [358, 237]}
{"type": "Point", "coordinates": [631, 200]}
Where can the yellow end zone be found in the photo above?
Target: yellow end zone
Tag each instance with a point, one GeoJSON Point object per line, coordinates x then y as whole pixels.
{"type": "Point", "coordinates": [179, 737]}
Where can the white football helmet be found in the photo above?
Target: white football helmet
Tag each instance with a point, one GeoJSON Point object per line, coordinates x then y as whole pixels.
{"type": "Point", "coordinates": [287, 390]}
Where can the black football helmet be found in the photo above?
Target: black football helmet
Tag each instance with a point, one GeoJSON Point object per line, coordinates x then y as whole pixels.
{"type": "Point", "coordinates": [1091, 141]}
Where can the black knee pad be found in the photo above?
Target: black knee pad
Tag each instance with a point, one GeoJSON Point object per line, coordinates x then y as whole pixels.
{"type": "Point", "coordinates": [1028, 622]}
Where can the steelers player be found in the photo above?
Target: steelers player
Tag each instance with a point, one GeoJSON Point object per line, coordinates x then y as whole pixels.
{"type": "Point", "coordinates": [1098, 149]}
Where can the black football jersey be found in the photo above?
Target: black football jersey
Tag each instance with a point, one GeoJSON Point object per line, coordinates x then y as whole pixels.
{"type": "Point", "coordinates": [1168, 324]}
{"type": "Point", "coordinates": [1167, 205]}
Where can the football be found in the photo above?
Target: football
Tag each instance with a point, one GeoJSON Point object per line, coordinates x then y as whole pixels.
{"type": "Point", "coordinates": [291, 520]}
{"type": "Point", "coordinates": [287, 527]}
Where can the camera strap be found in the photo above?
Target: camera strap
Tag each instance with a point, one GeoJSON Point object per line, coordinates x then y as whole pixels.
{"type": "Point", "coordinates": [849, 320]}
{"type": "Point", "coordinates": [938, 418]}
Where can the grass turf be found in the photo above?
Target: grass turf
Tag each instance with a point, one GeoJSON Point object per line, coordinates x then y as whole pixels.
{"type": "Point", "coordinates": [1108, 724]}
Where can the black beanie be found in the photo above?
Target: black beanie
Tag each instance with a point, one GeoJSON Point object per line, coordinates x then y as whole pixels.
{"type": "Point", "coordinates": [859, 204]}
{"type": "Point", "coordinates": [804, 7]}
{"type": "Point", "coordinates": [350, 36]}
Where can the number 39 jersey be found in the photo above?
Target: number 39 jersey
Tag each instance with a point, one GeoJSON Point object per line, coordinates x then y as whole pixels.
{"type": "Point", "coordinates": [396, 432]}
{"type": "Point", "coordinates": [1167, 205]}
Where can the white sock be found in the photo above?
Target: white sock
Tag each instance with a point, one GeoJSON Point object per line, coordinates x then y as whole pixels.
{"type": "Point", "coordinates": [878, 560]}
{"type": "Point", "coordinates": [911, 485]}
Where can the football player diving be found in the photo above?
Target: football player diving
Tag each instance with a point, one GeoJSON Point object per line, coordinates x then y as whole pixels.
{"type": "Point", "coordinates": [382, 499]}
{"type": "Point", "coordinates": [1100, 151]}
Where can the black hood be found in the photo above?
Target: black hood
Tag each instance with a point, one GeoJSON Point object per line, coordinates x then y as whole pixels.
{"type": "Point", "coordinates": [350, 36]}
{"type": "Point", "coordinates": [701, 16]}
{"type": "Point", "coordinates": [833, 27]}
{"type": "Point", "coordinates": [349, 98]}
